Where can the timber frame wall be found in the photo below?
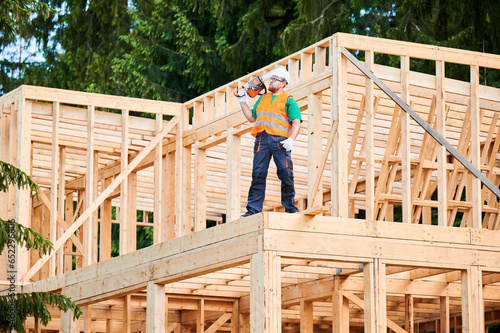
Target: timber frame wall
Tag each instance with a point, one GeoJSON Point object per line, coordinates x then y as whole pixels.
{"type": "Point", "coordinates": [343, 265]}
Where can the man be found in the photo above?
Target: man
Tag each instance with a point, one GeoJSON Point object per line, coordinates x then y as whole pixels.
{"type": "Point", "coordinates": [276, 117]}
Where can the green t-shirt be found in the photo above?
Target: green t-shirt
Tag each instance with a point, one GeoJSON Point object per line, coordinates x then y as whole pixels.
{"type": "Point", "coordinates": [292, 108]}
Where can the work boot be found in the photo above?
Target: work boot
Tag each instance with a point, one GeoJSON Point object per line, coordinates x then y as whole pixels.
{"type": "Point", "coordinates": [248, 213]}
{"type": "Point", "coordinates": [293, 211]}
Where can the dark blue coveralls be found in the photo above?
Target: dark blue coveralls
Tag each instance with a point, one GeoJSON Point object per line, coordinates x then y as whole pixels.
{"type": "Point", "coordinates": [267, 145]}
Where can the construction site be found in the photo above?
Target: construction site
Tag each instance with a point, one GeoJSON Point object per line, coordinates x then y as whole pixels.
{"type": "Point", "coordinates": [396, 179]}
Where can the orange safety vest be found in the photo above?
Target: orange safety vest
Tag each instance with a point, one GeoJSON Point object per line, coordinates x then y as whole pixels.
{"type": "Point", "coordinates": [272, 117]}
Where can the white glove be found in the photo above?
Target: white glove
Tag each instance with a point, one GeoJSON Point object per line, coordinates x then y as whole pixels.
{"type": "Point", "coordinates": [287, 144]}
{"type": "Point", "coordinates": [242, 99]}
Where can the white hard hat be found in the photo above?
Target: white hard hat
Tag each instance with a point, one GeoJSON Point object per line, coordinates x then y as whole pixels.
{"type": "Point", "coordinates": [281, 72]}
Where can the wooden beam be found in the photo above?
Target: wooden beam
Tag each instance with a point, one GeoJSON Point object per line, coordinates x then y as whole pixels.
{"type": "Point", "coordinates": [219, 322]}
{"type": "Point", "coordinates": [200, 316]}
{"type": "Point", "coordinates": [105, 225]}
{"type": "Point", "coordinates": [375, 296]}
{"type": "Point", "coordinates": [155, 311]}
{"type": "Point", "coordinates": [370, 103]}
{"type": "Point", "coordinates": [409, 314]}
{"type": "Point", "coordinates": [61, 207]}
{"type": "Point", "coordinates": [200, 185]}
{"type": "Point", "coordinates": [169, 197]}
{"type": "Point", "coordinates": [68, 324]}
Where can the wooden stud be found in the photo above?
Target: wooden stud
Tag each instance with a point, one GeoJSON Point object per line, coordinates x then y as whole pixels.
{"type": "Point", "coordinates": [441, 151]}
{"type": "Point", "coordinates": [22, 196]}
{"type": "Point", "coordinates": [475, 147]}
{"type": "Point", "coordinates": [54, 181]}
{"type": "Point", "coordinates": [315, 145]}
{"type": "Point", "coordinates": [320, 60]}
{"type": "Point", "coordinates": [105, 226]}
{"type": "Point", "coordinates": [220, 103]}
{"type": "Point", "coordinates": [200, 185]}
{"type": "Point", "coordinates": [209, 106]}
{"type": "Point", "coordinates": [88, 232]}
{"type": "Point", "coordinates": [169, 197]}
{"type": "Point", "coordinates": [293, 69]}
{"type": "Point", "coordinates": [124, 187]}
{"type": "Point", "coordinates": [233, 176]}
{"type": "Point", "coordinates": [368, 144]}
{"type": "Point", "coordinates": [235, 317]}
{"type": "Point", "coordinates": [61, 207]}
{"type": "Point", "coordinates": [155, 311]}
{"type": "Point", "coordinates": [183, 179]}
{"type": "Point", "coordinates": [338, 112]}
{"type": "Point", "coordinates": [158, 197]}
{"type": "Point", "coordinates": [405, 142]}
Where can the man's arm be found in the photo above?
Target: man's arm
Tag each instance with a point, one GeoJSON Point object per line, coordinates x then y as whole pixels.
{"type": "Point", "coordinates": [295, 128]}
{"type": "Point", "coordinates": [247, 112]}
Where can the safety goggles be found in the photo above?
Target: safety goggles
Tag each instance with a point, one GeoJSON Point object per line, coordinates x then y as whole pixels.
{"type": "Point", "coordinates": [274, 79]}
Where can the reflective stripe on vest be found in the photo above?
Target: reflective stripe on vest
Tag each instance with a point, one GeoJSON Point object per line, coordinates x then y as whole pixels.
{"type": "Point", "coordinates": [272, 117]}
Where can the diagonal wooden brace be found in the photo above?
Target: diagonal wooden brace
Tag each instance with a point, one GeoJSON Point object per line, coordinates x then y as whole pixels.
{"type": "Point", "coordinates": [100, 199]}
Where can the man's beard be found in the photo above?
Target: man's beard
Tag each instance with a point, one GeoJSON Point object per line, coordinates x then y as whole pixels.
{"type": "Point", "coordinates": [273, 88]}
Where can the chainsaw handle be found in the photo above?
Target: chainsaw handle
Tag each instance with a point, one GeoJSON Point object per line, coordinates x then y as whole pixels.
{"type": "Point", "coordinates": [238, 94]}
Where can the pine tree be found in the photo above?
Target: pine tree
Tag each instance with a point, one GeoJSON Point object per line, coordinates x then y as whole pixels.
{"type": "Point", "coordinates": [26, 304]}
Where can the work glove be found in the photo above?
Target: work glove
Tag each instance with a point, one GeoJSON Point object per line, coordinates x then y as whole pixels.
{"type": "Point", "coordinates": [242, 99]}
{"type": "Point", "coordinates": [287, 144]}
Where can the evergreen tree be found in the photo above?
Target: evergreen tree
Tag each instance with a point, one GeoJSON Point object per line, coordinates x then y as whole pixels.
{"type": "Point", "coordinates": [26, 304]}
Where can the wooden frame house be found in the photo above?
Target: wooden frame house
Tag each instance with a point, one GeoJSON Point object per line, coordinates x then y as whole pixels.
{"type": "Point", "coordinates": [396, 174]}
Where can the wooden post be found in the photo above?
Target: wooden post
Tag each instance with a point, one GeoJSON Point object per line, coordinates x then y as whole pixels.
{"type": "Point", "coordinates": [67, 323]}
{"type": "Point", "coordinates": [475, 122]}
{"type": "Point", "coordinates": [132, 212]}
{"type": "Point", "coordinates": [233, 173]}
{"type": "Point", "coordinates": [472, 300]}
{"type": "Point", "coordinates": [409, 317]}
{"type": "Point", "coordinates": [369, 145]}
{"type": "Point", "coordinates": [441, 151]}
{"type": "Point", "coordinates": [306, 316]}
{"type": "Point", "coordinates": [315, 148]}
{"type": "Point", "coordinates": [54, 174]}
{"type": "Point", "coordinates": [375, 297]}
{"type": "Point", "coordinates": [340, 309]}
{"type": "Point", "coordinates": [293, 69]}
{"type": "Point", "coordinates": [306, 65]}
{"type": "Point", "coordinates": [127, 319]}
{"type": "Point", "coordinates": [158, 182]}
{"type": "Point", "coordinates": [124, 212]}
{"type": "Point", "coordinates": [155, 312]}
{"type": "Point", "coordinates": [235, 317]}
{"type": "Point", "coordinates": [340, 171]}
{"type": "Point", "coordinates": [200, 317]}
{"type": "Point", "coordinates": [265, 292]}
{"type": "Point", "coordinates": [405, 142]}
{"type": "Point", "coordinates": [87, 319]}
{"type": "Point", "coordinates": [88, 232]}
{"type": "Point", "coordinates": [68, 247]}
{"type": "Point", "coordinates": [320, 60]}
{"type": "Point", "coordinates": [444, 302]}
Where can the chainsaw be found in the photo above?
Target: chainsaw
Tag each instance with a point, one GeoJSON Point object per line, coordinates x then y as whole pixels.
{"type": "Point", "coordinates": [255, 86]}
